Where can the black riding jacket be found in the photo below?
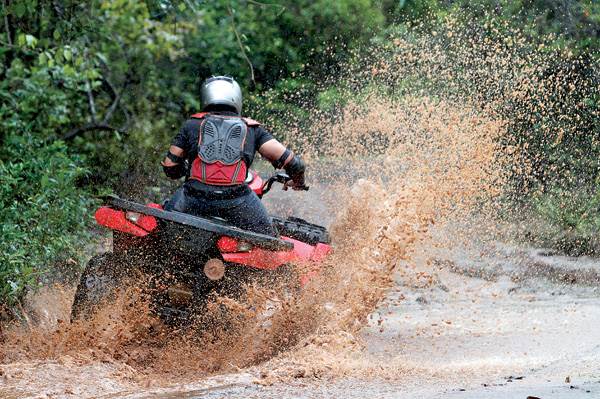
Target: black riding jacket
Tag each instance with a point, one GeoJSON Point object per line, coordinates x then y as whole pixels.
{"type": "Point", "coordinates": [187, 139]}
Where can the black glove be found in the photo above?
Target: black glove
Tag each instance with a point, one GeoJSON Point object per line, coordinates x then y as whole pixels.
{"type": "Point", "coordinates": [295, 169]}
{"type": "Point", "coordinates": [175, 171]}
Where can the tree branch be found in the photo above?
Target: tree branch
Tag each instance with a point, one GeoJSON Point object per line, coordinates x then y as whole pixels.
{"type": "Point", "coordinates": [239, 41]}
{"type": "Point", "coordinates": [59, 11]}
{"type": "Point", "coordinates": [92, 105]}
{"type": "Point", "coordinates": [116, 103]}
{"type": "Point", "coordinates": [108, 84]}
{"type": "Point", "coordinates": [113, 106]}
{"type": "Point", "coordinates": [258, 3]}
{"type": "Point", "coordinates": [71, 134]}
{"type": "Point", "coordinates": [104, 124]}
{"type": "Point", "coordinates": [127, 119]}
{"type": "Point", "coordinates": [7, 24]}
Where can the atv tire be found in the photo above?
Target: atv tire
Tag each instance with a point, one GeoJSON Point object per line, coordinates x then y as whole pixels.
{"type": "Point", "coordinates": [98, 283]}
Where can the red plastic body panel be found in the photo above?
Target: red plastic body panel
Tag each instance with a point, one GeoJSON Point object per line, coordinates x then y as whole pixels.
{"type": "Point", "coordinates": [270, 260]}
{"type": "Point", "coordinates": [227, 244]}
{"type": "Point", "coordinates": [256, 184]}
{"type": "Point", "coordinates": [260, 258]}
{"type": "Point", "coordinates": [147, 223]}
{"type": "Point", "coordinates": [116, 220]}
{"type": "Point", "coordinates": [318, 256]}
{"type": "Point", "coordinates": [320, 253]}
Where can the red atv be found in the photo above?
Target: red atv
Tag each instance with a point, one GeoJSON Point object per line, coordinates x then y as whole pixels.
{"type": "Point", "coordinates": [187, 258]}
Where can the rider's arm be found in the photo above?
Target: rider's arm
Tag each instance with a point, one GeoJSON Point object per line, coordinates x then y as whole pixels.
{"type": "Point", "coordinates": [174, 162]}
{"type": "Point", "coordinates": [281, 157]}
{"type": "Point", "coordinates": [273, 151]}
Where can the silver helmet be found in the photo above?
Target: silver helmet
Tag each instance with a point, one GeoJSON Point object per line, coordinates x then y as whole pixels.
{"type": "Point", "coordinates": [221, 90]}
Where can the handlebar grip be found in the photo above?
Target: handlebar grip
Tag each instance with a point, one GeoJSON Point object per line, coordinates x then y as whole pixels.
{"type": "Point", "coordinates": [303, 188]}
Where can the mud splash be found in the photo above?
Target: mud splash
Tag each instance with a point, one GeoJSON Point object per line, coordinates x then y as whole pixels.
{"type": "Point", "coordinates": [314, 333]}
{"type": "Point", "coordinates": [419, 184]}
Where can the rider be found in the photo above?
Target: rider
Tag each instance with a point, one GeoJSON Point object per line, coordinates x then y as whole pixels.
{"type": "Point", "coordinates": [219, 146]}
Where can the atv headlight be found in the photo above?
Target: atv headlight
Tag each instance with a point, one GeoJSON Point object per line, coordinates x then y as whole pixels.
{"type": "Point", "coordinates": [243, 246]}
{"type": "Point", "coordinates": [228, 245]}
{"type": "Point", "coordinates": [133, 216]}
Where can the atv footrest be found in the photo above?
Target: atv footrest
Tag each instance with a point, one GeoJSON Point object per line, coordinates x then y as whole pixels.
{"type": "Point", "coordinates": [301, 230]}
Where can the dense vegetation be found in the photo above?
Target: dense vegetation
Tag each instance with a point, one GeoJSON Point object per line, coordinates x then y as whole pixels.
{"type": "Point", "coordinates": [91, 92]}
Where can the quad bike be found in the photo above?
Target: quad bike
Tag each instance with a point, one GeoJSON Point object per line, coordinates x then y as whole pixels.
{"type": "Point", "coordinates": [187, 258]}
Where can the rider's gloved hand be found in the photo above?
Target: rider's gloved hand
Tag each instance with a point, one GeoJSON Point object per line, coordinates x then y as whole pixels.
{"type": "Point", "coordinates": [174, 166]}
{"type": "Point", "coordinates": [296, 183]}
{"type": "Point", "coordinates": [295, 169]}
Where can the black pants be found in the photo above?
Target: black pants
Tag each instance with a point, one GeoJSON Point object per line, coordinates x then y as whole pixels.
{"type": "Point", "coordinates": [243, 210]}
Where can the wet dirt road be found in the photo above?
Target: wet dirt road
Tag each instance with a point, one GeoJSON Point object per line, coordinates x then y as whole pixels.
{"type": "Point", "coordinates": [486, 328]}
{"type": "Point", "coordinates": [507, 324]}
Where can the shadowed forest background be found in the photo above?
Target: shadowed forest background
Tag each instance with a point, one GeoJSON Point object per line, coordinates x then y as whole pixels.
{"type": "Point", "coordinates": [91, 94]}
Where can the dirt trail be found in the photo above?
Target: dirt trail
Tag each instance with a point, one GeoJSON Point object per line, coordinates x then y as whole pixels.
{"type": "Point", "coordinates": [468, 322]}
{"type": "Point", "coordinates": [463, 337]}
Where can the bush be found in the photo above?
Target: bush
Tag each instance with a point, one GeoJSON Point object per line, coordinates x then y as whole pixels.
{"type": "Point", "coordinates": [43, 212]}
{"type": "Point", "coordinates": [571, 220]}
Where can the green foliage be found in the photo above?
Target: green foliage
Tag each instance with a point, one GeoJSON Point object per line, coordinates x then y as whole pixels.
{"type": "Point", "coordinates": [413, 10]}
{"type": "Point", "coordinates": [574, 219]}
{"type": "Point", "coordinates": [279, 40]}
{"type": "Point", "coordinates": [43, 212]}
{"type": "Point", "coordinates": [574, 23]}
{"type": "Point", "coordinates": [82, 72]}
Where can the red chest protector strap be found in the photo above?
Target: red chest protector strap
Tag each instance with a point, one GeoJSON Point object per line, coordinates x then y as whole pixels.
{"type": "Point", "coordinates": [250, 122]}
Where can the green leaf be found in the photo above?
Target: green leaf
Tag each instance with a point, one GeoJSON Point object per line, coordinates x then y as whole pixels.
{"type": "Point", "coordinates": [43, 59]}
{"type": "Point", "coordinates": [31, 40]}
{"type": "Point", "coordinates": [102, 58]}
{"type": "Point", "coordinates": [19, 8]}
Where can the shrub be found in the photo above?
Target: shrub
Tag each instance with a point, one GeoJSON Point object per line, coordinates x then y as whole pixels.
{"type": "Point", "coordinates": [43, 212]}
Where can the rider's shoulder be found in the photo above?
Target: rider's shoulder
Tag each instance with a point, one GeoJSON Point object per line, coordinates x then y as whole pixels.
{"type": "Point", "coordinates": [192, 122]}
{"type": "Point", "coordinates": [191, 125]}
{"type": "Point", "coordinates": [195, 119]}
{"type": "Point", "coordinates": [251, 122]}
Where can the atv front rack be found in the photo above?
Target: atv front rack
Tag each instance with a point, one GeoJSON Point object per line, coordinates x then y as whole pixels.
{"type": "Point", "coordinates": [257, 239]}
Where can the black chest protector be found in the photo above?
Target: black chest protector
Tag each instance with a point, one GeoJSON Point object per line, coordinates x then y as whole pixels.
{"type": "Point", "coordinates": [222, 139]}
{"type": "Point", "coordinates": [221, 143]}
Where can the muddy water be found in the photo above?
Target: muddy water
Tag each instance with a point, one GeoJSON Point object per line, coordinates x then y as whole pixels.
{"type": "Point", "coordinates": [481, 320]}
{"type": "Point", "coordinates": [465, 336]}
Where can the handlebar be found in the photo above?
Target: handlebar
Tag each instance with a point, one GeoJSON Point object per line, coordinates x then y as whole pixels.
{"type": "Point", "coordinates": [279, 178]}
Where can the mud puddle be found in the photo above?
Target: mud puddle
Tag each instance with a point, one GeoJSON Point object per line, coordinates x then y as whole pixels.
{"type": "Point", "coordinates": [501, 332]}
{"type": "Point", "coordinates": [513, 335]}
